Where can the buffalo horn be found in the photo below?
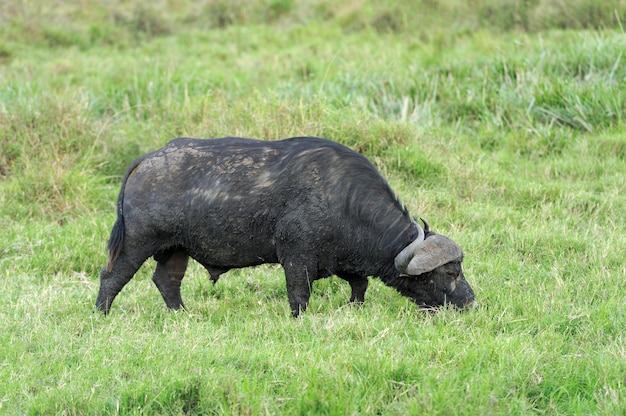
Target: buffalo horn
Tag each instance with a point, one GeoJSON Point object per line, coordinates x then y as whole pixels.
{"type": "Point", "coordinates": [403, 259]}
{"type": "Point", "coordinates": [435, 251]}
{"type": "Point", "coordinates": [425, 255]}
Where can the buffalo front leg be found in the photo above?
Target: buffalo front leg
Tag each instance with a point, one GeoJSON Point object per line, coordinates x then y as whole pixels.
{"type": "Point", "coordinates": [169, 273]}
{"type": "Point", "coordinates": [112, 282]}
{"type": "Point", "coordinates": [299, 278]}
{"type": "Point", "coordinates": [358, 284]}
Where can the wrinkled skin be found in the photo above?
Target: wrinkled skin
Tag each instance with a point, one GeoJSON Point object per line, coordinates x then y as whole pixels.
{"type": "Point", "coordinates": [311, 205]}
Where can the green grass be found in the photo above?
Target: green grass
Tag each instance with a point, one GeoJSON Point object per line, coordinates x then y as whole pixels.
{"type": "Point", "coordinates": [503, 124]}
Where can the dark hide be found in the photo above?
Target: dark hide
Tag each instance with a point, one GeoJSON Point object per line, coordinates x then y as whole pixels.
{"type": "Point", "coordinates": [312, 205]}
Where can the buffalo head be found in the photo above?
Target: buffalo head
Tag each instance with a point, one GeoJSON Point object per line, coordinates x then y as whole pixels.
{"type": "Point", "coordinates": [431, 273]}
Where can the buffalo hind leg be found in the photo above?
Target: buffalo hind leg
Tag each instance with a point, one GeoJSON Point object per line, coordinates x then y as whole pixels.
{"type": "Point", "coordinates": [112, 282]}
{"type": "Point", "coordinates": [358, 284]}
{"type": "Point", "coordinates": [170, 269]}
{"type": "Point", "coordinates": [299, 278]}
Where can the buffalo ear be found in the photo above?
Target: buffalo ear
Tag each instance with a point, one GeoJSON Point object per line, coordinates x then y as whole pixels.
{"type": "Point", "coordinates": [435, 251]}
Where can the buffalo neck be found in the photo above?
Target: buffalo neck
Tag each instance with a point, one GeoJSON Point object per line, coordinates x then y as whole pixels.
{"type": "Point", "coordinates": [391, 243]}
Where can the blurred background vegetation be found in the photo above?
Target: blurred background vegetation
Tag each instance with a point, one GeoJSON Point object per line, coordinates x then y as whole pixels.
{"type": "Point", "coordinates": [86, 23]}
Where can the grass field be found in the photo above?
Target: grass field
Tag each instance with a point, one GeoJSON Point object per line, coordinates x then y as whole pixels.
{"type": "Point", "coordinates": [503, 123]}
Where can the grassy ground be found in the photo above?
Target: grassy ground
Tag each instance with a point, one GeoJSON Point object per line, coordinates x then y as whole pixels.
{"type": "Point", "coordinates": [503, 124]}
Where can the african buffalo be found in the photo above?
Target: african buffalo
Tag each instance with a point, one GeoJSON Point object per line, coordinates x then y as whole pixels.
{"type": "Point", "coordinates": [316, 207]}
